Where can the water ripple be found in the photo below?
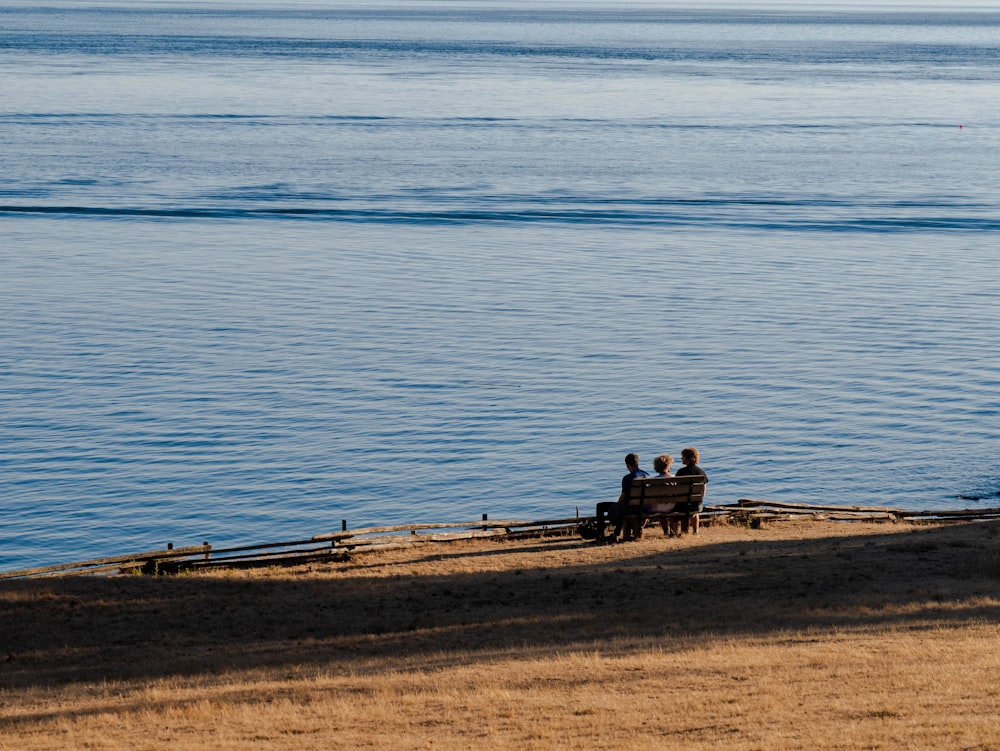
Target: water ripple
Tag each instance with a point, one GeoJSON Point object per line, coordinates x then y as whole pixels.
{"type": "Point", "coordinates": [754, 213]}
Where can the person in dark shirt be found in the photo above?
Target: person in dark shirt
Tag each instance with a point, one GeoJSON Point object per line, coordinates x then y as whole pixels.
{"type": "Point", "coordinates": [690, 458]}
{"type": "Point", "coordinates": [614, 511]}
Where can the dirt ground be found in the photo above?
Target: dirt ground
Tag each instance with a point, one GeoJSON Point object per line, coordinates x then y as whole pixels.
{"type": "Point", "coordinates": [819, 599]}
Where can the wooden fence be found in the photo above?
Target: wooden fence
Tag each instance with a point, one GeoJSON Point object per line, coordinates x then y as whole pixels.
{"type": "Point", "coordinates": [345, 543]}
{"type": "Point", "coordinates": [330, 546]}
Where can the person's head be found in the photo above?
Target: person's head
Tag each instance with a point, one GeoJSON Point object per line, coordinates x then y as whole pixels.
{"type": "Point", "coordinates": [689, 456]}
{"type": "Point", "coordinates": [662, 462]}
{"type": "Point", "coordinates": [632, 461]}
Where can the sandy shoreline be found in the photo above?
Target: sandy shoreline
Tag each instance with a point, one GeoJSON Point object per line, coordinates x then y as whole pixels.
{"type": "Point", "coordinates": [454, 613]}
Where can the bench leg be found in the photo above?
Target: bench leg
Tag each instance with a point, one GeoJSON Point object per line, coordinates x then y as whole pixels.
{"type": "Point", "coordinates": [633, 527]}
{"type": "Point", "coordinates": [690, 523]}
{"type": "Point", "coordinates": [680, 524]}
{"type": "Point", "coordinates": [605, 515]}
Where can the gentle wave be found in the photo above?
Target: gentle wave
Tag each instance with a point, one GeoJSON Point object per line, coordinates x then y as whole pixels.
{"type": "Point", "coordinates": [818, 53]}
{"type": "Point", "coordinates": [434, 123]}
{"type": "Point", "coordinates": [651, 214]}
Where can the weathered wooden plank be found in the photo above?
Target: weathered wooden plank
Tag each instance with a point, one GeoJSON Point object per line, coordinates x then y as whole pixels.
{"type": "Point", "coordinates": [249, 553]}
{"type": "Point", "coordinates": [251, 562]}
{"type": "Point", "coordinates": [544, 523]}
{"type": "Point", "coordinates": [431, 537]}
{"type": "Point", "coordinates": [284, 557]}
{"type": "Point", "coordinates": [956, 512]}
{"type": "Point", "coordinates": [262, 546]}
{"type": "Point", "coordinates": [361, 531]}
{"type": "Point", "coordinates": [390, 546]}
{"type": "Point", "coordinates": [534, 533]}
{"type": "Point", "coordinates": [449, 536]}
{"type": "Point", "coordinates": [343, 535]}
{"type": "Point", "coordinates": [751, 502]}
{"type": "Point", "coordinates": [151, 555]}
{"type": "Point", "coordinates": [808, 511]}
{"type": "Point", "coordinates": [806, 508]}
{"type": "Point", "coordinates": [112, 568]}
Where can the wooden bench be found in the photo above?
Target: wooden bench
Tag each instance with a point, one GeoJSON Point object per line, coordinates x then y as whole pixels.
{"type": "Point", "coordinates": [686, 494]}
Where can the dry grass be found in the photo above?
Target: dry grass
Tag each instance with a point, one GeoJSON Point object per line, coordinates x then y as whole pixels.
{"type": "Point", "coordinates": [825, 636]}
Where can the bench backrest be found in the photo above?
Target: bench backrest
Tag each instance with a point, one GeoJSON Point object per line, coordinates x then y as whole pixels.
{"type": "Point", "coordinates": [647, 490]}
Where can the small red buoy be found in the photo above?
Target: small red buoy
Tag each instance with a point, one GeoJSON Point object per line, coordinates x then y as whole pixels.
{"type": "Point", "coordinates": [959, 127]}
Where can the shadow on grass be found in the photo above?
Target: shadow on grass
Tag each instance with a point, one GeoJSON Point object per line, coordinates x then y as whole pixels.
{"type": "Point", "coordinates": [60, 631]}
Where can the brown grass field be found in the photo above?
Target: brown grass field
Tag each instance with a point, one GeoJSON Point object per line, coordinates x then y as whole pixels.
{"type": "Point", "coordinates": [802, 635]}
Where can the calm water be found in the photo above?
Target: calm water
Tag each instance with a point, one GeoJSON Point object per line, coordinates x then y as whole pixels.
{"type": "Point", "coordinates": [264, 267]}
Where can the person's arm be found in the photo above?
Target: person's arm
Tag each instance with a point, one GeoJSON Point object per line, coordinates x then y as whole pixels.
{"type": "Point", "coordinates": [626, 483]}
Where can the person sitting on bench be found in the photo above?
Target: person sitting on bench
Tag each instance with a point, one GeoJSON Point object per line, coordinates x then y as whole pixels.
{"type": "Point", "coordinates": [614, 511]}
{"type": "Point", "coordinates": [662, 465]}
{"type": "Point", "coordinates": [690, 457]}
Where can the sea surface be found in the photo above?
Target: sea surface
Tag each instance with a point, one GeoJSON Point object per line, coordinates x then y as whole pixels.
{"type": "Point", "coordinates": [269, 266]}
